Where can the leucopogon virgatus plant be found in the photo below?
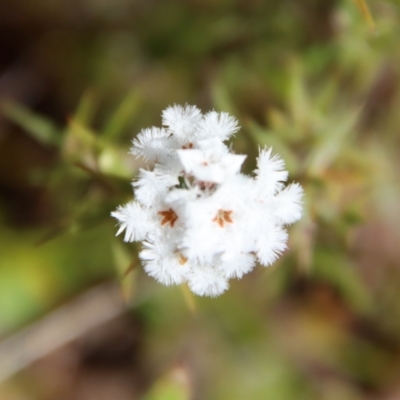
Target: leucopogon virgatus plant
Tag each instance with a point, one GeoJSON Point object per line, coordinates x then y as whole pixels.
{"type": "Point", "coordinates": [199, 219]}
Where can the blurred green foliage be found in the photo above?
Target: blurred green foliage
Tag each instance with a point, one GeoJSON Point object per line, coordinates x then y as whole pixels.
{"type": "Point", "coordinates": [312, 80]}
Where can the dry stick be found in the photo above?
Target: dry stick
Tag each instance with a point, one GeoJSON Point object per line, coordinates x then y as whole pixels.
{"type": "Point", "coordinates": [60, 327]}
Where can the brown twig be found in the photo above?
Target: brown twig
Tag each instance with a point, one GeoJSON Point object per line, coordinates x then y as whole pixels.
{"type": "Point", "coordinates": [62, 326]}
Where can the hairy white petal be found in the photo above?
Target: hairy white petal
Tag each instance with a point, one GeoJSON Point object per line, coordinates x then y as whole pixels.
{"type": "Point", "coordinates": [270, 245]}
{"type": "Point", "coordinates": [235, 265]}
{"type": "Point", "coordinates": [207, 281]}
{"type": "Point", "coordinates": [270, 172]}
{"type": "Point", "coordinates": [151, 144]}
{"type": "Point", "coordinates": [214, 124]}
{"type": "Point", "coordinates": [146, 187]}
{"type": "Point", "coordinates": [163, 262]}
{"type": "Point", "coordinates": [181, 121]}
{"type": "Point", "coordinates": [134, 220]}
{"type": "Point", "coordinates": [288, 204]}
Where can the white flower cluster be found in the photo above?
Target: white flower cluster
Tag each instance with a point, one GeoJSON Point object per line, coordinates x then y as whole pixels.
{"type": "Point", "coordinates": [200, 220]}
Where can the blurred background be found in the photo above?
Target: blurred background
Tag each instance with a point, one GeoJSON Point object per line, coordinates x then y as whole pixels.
{"type": "Point", "coordinates": [319, 81]}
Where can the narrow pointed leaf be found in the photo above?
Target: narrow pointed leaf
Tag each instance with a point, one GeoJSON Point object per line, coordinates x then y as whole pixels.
{"type": "Point", "coordinates": [364, 9]}
{"type": "Point", "coordinates": [86, 108]}
{"type": "Point", "coordinates": [122, 116]}
{"type": "Point", "coordinates": [39, 127]}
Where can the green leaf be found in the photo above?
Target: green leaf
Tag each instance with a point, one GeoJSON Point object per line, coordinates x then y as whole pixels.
{"type": "Point", "coordinates": [265, 137]}
{"type": "Point", "coordinates": [175, 385]}
{"type": "Point", "coordinates": [86, 108]}
{"type": "Point", "coordinates": [222, 100]}
{"type": "Point", "coordinates": [337, 268]}
{"type": "Point", "coordinates": [329, 146]}
{"type": "Point", "coordinates": [40, 128]}
{"type": "Point", "coordinates": [353, 217]}
{"type": "Point", "coordinates": [112, 162]}
{"type": "Point", "coordinates": [81, 132]}
{"type": "Point", "coordinates": [122, 116]}
{"type": "Point", "coordinates": [297, 96]}
{"type": "Point", "coordinates": [81, 143]}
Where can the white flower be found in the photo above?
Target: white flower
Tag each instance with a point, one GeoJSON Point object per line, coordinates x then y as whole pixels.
{"type": "Point", "coordinates": [181, 121]}
{"type": "Point", "coordinates": [219, 125]}
{"type": "Point", "coordinates": [270, 173]}
{"type": "Point", "coordinates": [200, 220]}
{"type": "Point", "coordinates": [211, 162]}
{"type": "Point", "coordinates": [134, 220]}
{"type": "Point", "coordinates": [287, 204]}
{"type": "Point", "coordinates": [162, 261]}
{"type": "Point", "coordinates": [207, 281]}
{"type": "Point", "coordinates": [152, 144]}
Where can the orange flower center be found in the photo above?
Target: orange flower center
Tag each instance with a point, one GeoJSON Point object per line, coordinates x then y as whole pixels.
{"type": "Point", "coordinates": [182, 259]}
{"type": "Point", "coordinates": [222, 217]}
{"type": "Point", "coordinates": [169, 217]}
